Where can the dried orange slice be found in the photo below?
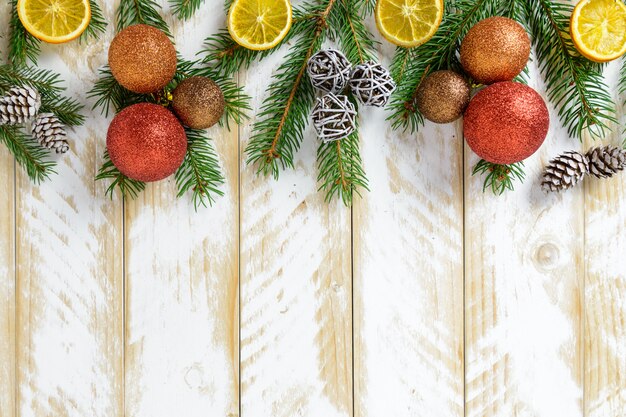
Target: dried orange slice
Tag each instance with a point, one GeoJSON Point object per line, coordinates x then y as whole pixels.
{"type": "Point", "coordinates": [598, 29]}
{"type": "Point", "coordinates": [408, 23]}
{"type": "Point", "coordinates": [54, 21]}
{"type": "Point", "coordinates": [259, 24]}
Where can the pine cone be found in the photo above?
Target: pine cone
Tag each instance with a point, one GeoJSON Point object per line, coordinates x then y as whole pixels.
{"type": "Point", "coordinates": [48, 130]}
{"type": "Point", "coordinates": [565, 171]}
{"type": "Point", "coordinates": [604, 162]}
{"type": "Point", "coordinates": [19, 105]}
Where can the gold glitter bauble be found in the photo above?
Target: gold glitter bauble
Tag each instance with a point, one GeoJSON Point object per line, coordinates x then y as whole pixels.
{"type": "Point", "coordinates": [443, 96]}
{"type": "Point", "coordinates": [142, 59]}
{"type": "Point", "coordinates": [198, 102]}
{"type": "Point", "coordinates": [495, 49]}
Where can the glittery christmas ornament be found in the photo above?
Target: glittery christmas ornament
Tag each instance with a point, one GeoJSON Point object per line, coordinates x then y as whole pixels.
{"type": "Point", "coordinates": [443, 96]}
{"type": "Point", "coordinates": [372, 84]}
{"type": "Point", "coordinates": [495, 49]}
{"type": "Point", "coordinates": [142, 59]}
{"type": "Point", "coordinates": [334, 117]}
{"type": "Point", "coordinates": [198, 102]}
{"type": "Point", "coordinates": [506, 122]}
{"type": "Point", "coordinates": [329, 70]}
{"type": "Point", "coordinates": [146, 142]}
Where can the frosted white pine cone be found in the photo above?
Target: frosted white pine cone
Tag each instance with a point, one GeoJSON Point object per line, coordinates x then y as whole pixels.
{"type": "Point", "coordinates": [19, 105]}
{"type": "Point", "coordinates": [48, 130]}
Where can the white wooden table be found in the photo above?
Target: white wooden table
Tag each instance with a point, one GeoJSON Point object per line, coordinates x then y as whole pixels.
{"type": "Point", "coordinates": [427, 298]}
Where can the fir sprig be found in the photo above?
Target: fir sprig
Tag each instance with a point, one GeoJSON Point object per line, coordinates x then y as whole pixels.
{"type": "Point", "coordinates": [200, 172]}
{"type": "Point", "coordinates": [131, 12]}
{"type": "Point", "coordinates": [97, 25]}
{"type": "Point", "coordinates": [128, 188]}
{"type": "Point", "coordinates": [48, 84]}
{"type": "Point", "coordinates": [348, 28]}
{"type": "Point", "coordinates": [278, 133]}
{"type": "Point", "coordinates": [185, 9]}
{"type": "Point", "coordinates": [27, 153]}
{"type": "Point", "coordinates": [575, 85]}
{"type": "Point", "coordinates": [110, 95]}
{"type": "Point", "coordinates": [499, 178]}
{"type": "Point", "coordinates": [438, 53]}
{"type": "Point", "coordinates": [341, 172]}
{"type": "Point", "coordinates": [23, 47]}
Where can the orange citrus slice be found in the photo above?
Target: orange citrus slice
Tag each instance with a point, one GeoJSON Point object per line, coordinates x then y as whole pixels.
{"type": "Point", "coordinates": [408, 23]}
{"type": "Point", "coordinates": [598, 29]}
{"type": "Point", "coordinates": [54, 21]}
{"type": "Point", "coordinates": [259, 24]}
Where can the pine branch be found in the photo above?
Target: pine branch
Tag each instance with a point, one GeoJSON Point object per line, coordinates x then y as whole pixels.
{"type": "Point", "coordinates": [284, 114]}
{"type": "Point", "coordinates": [111, 95]}
{"type": "Point", "coordinates": [48, 84]}
{"type": "Point", "coordinates": [348, 27]}
{"type": "Point", "coordinates": [97, 25]}
{"type": "Point", "coordinates": [341, 171]}
{"type": "Point", "coordinates": [499, 177]}
{"type": "Point", "coordinates": [28, 153]}
{"type": "Point", "coordinates": [131, 12]}
{"type": "Point", "coordinates": [128, 188]}
{"type": "Point", "coordinates": [399, 63]}
{"type": "Point", "coordinates": [200, 171]}
{"type": "Point", "coordinates": [575, 85]}
{"type": "Point", "coordinates": [438, 53]}
{"type": "Point", "coordinates": [185, 9]}
{"type": "Point", "coordinates": [23, 47]}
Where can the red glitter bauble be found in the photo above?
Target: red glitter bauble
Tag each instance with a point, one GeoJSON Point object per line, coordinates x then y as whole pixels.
{"type": "Point", "coordinates": [506, 122]}
{"type": "Point", "coordinates": [146, 142]}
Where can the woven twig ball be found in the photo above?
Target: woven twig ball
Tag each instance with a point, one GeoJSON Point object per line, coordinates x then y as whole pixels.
{"type": "Point", "coordinates": [334, 117]}
{"type": "Point", "coordinates": [329, 70]}
{"type": "Point", "coordinates": [372, 84]}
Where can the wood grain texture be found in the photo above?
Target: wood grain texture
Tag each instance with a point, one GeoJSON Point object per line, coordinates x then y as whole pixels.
{"type": "Point", "coordinates": [7, 260]}
{"type": "Point", "coordinates": [408, 272]}
{"type": "Point", "coordinates": [523, 293]}
{"type": "Point", "coordinates": [182, 286]}
{"type": "Point", "coordinates": [296, 343]}
{"type": "Point", "coordinates": [69, 279]}
{"type": "Point", "coordinates": [605, 285]}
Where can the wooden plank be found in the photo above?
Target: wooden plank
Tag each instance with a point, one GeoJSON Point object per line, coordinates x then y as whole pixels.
{"type": "Point", "coordinates": [296, 344]}
{"type": "Point", "coordinates": [182, 286]}
{"type": "Point", "coordinates": [7, 259]}
{"type": "Point", "coordinates": [69, 277]}
{"type": "Point", "coordinates": [605, 286]}
{"type": "Point", "coordinates": [523, 286]}
{"type": "Point", "coordinates": [408, 272]}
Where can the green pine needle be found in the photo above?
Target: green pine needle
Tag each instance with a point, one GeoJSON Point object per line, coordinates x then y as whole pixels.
{"type": "Point", "coordinates": [499, 178]}
{"type": "Point", "coordinates": [341, 171]}
{"type": "Point", "coordinates": [28, 153]}
{"type": "Point", "coordinates": [278, 133]}
{"type": "Point", "coordinates": [185, 9]}
{"type": "Point", "coordinates": [131, 12]}
{"type": "Point", "coordinates": [410, 67]}
{"type": "Point", "coordinates": [48, 84]}
{"type": "Point", "coordinates": [348, 28]}
{"type": "Point", "coordinates": [575, 85]}
{"type": "Point", "coordinates": [23, 47]}
{"type": "Point", "coordinates": [97, 25]}
{"type": "Point", "coordinates": [110, 95]}
{"type": "Point", "coordinates": [128, 188]}
{"type": "Point", "coordinates": [200, 171]}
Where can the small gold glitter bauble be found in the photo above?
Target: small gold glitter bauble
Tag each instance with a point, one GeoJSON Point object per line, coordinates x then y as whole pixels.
{"type": "Point", "coordinates": [443, 96]}
{"type": "Point", "coordinates": [142, 59]}
{"type": "Point", "coordinates": [198, 102]}
{"type": "Point", "coordinates": [495, 49]}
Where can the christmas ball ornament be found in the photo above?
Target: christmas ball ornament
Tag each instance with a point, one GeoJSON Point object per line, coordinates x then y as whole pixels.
{"type": "Point", "coordinates": [142, 59]}
{"type": "Point", "coordinates": [443, 96]}
{"type": "Point", "coordinates": [329, 70]}
{"type": "Point", "coordinates": [146, 142]}
{"type": "Point", "coordinates": [506, 122]}
{"type": "Point", "coordinates": [334, 117]}
{"type": "Point", "coordinates": [372, 84]}
{"type": "Point", "coordinates": [495, 49]}
{"type": "Point", "coordinates": [198, 102]}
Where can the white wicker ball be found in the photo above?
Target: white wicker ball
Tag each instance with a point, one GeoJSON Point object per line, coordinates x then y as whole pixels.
{"type": "Point", "coordinates": [329, 71]}
{"type": "Point", "coordinates": [334, 117]}
{"type": "Point", "coordinates": [372, 84]}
